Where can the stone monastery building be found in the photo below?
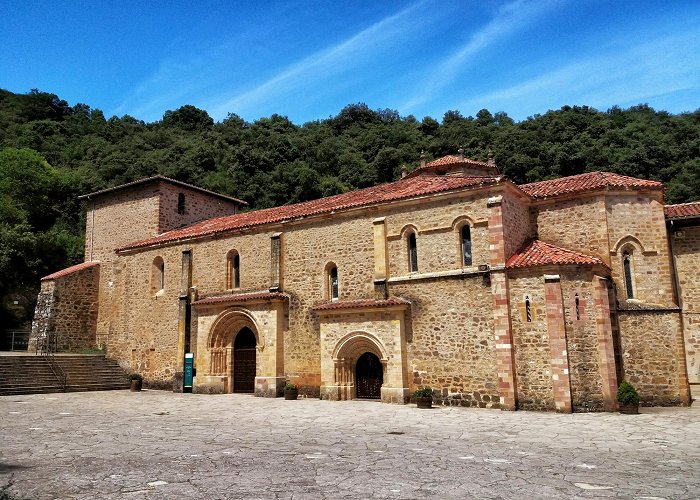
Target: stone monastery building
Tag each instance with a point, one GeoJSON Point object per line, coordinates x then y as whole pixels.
{"type": "Point", "coordinates": [541, 296]}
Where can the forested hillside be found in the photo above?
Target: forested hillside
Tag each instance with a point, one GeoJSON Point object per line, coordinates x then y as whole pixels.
{"type": "Point", "coordinates": [50, 152]}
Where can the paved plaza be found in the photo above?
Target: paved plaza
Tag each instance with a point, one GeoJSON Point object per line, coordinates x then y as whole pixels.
{"type": "Point", "coordinates": [155, 444]}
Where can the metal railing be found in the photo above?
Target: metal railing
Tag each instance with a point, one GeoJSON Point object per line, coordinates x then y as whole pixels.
{"type": "Point", "coordinates": [19, 339]}
{"type": "Point", "coordinates": [47, 346]}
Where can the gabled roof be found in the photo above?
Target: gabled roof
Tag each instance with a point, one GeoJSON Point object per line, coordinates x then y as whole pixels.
{"type": "Point", "coordinates": [539, 253]}
{"type": "Point", "coordinates": [71, 270]}
{"type": "Point", "coordinates": [682, 210]}
{"type": "Point", "coordinates": [488, 169]}
{"type": "Point", "coordinates": [421, 185]}
{"type": "Point", "coordinates": [586, 182]}
{"type": "Point", "coordinates": [162, 178]}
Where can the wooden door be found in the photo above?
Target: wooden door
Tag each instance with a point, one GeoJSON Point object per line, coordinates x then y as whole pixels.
{"type": "Point", "coordinates": [244, 352]}
{"type": "Point", "coordinates": [369, 376]}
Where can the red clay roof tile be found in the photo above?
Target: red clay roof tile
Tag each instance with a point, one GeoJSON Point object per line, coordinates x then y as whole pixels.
{"type": "Point", "coordinates": [682, 210]}
{"type": "Point", "coordinates": [241, 297]}
{"type": "Point", "coordinates": [421, 185]}
{"type": "Point", "coordinates": [539, 253]}
{"type": "Point", "coordinates": [362, 303]}
{"type": "Point", "coordinates": [585, 182]}
{"type": "Point", "coordinates": [71, 270]}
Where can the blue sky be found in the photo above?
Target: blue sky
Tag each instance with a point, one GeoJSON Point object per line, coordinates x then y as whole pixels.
{"type": "Point", "coordinates": [307, 60]}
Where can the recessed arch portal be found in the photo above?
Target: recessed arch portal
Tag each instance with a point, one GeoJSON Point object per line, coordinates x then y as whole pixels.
{"type": "Point", "coordinates": [232, 345]}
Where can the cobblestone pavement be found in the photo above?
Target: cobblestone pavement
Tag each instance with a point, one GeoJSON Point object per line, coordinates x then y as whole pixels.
{"type": "Point", "coordinates": [161, 445]}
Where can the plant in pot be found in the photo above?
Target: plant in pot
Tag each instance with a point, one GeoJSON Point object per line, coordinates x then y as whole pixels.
{"type": "Point", "coordinates": [628, 397]}
{"type": "Point", "coordinates": [136, 381]}
{"type": "Point", "coordinates": [424, 397]}
{"type": "Point", "coordinates": [291, 391]}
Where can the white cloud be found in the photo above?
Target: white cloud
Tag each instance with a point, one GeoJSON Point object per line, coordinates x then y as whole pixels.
{"type": "Point", "coordinates": [320, 66]}
{"type": "Point", "coordinates": [509, 19]}
{"type": "Point", "coordinates": [625, 76]}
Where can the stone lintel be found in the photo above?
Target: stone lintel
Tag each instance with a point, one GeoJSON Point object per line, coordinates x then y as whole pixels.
{"type": "Point", "coordinates": [552, 278]}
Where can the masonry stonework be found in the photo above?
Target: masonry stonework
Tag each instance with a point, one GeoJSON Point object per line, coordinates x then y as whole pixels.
{"type": "Point", "coordinates": [529, 312]}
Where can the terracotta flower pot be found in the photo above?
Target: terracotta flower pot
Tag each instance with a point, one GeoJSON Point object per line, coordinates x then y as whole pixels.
{"type": "Point", "coordinates": [629, 408]}
{"type": "Point", "coordinates": [136, 385]}
{"type": "Point", "coordinates": [291, 394]}
{"type": "Point", "coordinates": [424, 402]}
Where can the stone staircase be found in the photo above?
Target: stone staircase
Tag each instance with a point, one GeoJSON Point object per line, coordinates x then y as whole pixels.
{"type": "Point", "coordinates": [30, 374]}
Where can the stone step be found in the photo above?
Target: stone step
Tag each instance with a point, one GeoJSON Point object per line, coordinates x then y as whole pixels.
{"type": "Point", "coordinates": [33, 374]}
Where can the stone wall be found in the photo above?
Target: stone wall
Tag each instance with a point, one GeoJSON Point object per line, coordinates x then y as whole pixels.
{"type": "Point", "coordinates": [652, 353]}
{"type": "Point", "coordinates": [531, 342]}
{"type": "Point", "coordinates": [67, 310]}
{"type": "Point", "coordinates": [450, 342]}
{"type": "Point", "coordinates": [198, 206]}
{"type": "Point", "coordinates": [576, 224]}
{"type": "Point", "coordinates": [636, 223]}
{"type": "Point", "coordinates": [686, 249]}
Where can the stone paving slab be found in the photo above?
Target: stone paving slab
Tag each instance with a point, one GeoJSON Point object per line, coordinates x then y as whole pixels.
{"type": "Point", "coordinates": [160, 445]}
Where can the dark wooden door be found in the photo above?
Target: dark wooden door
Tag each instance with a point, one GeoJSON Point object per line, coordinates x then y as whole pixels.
{"type": "Point", "coordinates": [244, 361]}
{"type": "Point", "coordinates": [369, 376]}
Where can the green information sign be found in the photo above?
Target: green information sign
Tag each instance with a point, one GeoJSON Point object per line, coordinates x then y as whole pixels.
{"type": "Point", "coordinates": [189, 368]}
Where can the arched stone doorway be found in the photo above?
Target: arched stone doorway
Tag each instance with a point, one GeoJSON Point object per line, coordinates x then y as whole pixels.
{"type": "Point", "coordinates": [244, 352]}
{"type": "Point", "coordinates": [232, 351]}
{"type": "Point", "coordinates": [369, 376]}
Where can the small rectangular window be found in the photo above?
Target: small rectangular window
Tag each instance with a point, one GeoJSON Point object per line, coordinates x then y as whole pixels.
{"type": "Point", "coordinates": [181, 203]}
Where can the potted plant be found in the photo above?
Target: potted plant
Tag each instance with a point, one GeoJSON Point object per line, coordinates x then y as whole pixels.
{"type": "Point", "coordinates": [628, 397]}
{"type": "Point", "coordinates": [136, 381]}
{"type": "Point", "coordinates": [291, 391]}
{"type": "Point", "coordinates": [424, 397]}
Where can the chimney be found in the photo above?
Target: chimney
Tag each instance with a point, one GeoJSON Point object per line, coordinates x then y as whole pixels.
{"type": "Point", "coordinates": [461, 154]}
{"type": "Point", "coordinates": [490, 158]}
{"type": "Point", "coordinates": [404, 171]}
{"type": "Point", "coordinates": [422, 159]}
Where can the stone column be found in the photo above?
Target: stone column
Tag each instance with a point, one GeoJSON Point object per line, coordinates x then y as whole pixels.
{"type": "Point", "coordinates": [505, 360]}
{"type": "Point", "coordinates": [556, 328]}
{"type": "Point", "coordinates": [606, 347]}
{"type": "Point", "coordinates": [183, 317]}
{"type": "Point", "coordinates": [276, 262]}
{"type": "Point", "coordinates": [381, 262]}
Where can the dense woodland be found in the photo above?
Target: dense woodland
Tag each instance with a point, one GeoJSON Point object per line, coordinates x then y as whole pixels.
{"type": "Point", "coordinates": [51, 152]}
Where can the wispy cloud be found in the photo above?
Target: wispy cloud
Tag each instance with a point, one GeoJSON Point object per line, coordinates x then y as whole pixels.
{"type": "Point", "coordinates": [324, 64]}
{"type": "Point", "coordinates": [624, 76]}
{"type": "Point", "coordinates": [509, 19]}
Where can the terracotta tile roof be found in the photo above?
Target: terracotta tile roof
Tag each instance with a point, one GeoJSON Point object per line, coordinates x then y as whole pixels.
{"type": "Point", "coordinates": [70, 270]}
{"type": "Point", "coordinates": [539, 253]}
{"type": "Point", "coordinates": [163, 179]}
{"type": "Point", "coordinates": [682, 210]}
{"type": "Point", "coordinates": [405, 188]}
{"type": "Point", "coordinates": [241, 297]}
{"type": "Point", "coordinates": [585, 182]}
{"type": "Point", "coordinates": [454, 159]}
{"type": "Point", "coordinates": [363, 303]}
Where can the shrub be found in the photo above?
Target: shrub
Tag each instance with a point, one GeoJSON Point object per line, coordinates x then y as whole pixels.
{"type": "Point", "coordinates": [291, 387]}
{"type": "Point", "coordinates": [423, 392]}
{"type": "Point", "coordinates": [627, 394]}
{"type": "Point", "coordinates": [135, 376]}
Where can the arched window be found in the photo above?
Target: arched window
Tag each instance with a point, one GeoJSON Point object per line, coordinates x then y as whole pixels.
{"type": "Point", "coordinates": [157, 275]}
{"type": "Point", "coordinates": [332, 282]}
{"type": "Point", "coordinates": [233, 270]}
{"type": "Point", "coordinates": [577, 305]}
{"type": "Point", "coordinates": [412, 253]}
{"type": "Point", "coordinates": [466, 235]}
{"type": "Point", "coordinates": [627, 270]}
